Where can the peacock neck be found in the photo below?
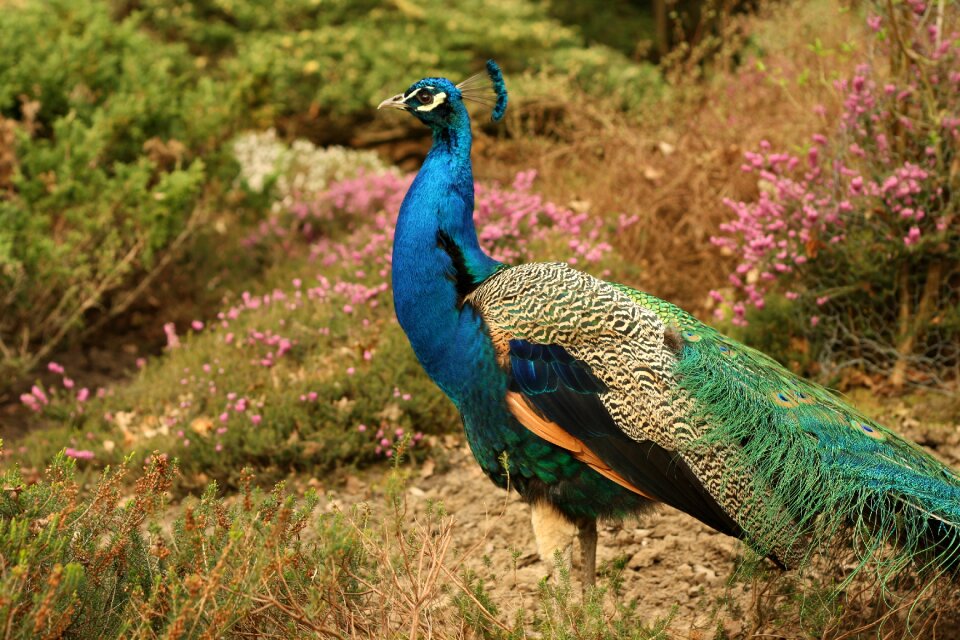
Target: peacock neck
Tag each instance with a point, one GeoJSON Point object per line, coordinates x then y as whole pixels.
{"type": "Point", "coordinates": [437, 259]}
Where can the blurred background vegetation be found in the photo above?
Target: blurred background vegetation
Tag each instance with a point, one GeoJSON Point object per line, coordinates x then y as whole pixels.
{"type": "Point", "coordinates": [116, 116]}
{"type": "Point", "coordinates": [197, 200]}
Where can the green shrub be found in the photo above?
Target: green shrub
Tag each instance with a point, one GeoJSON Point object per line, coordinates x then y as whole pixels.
{"type": "Point", "coordinates": [317, 69]}
{"type": "Point", "coordinates": [106, 172]}
{"type": "Point", "coordinates": [601, 71]}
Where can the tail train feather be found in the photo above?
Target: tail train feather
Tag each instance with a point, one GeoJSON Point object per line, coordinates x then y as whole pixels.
{"type": "Point", "coordinates": [820, 469]}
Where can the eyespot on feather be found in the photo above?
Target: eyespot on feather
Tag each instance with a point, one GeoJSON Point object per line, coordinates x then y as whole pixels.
{"type": "Point", "coordinates": [727, 351]}
{"type": "Point", "coordinates": [690, 336]}
{"type": "Point", "coordinates": [803, 398]}
{"type": "Point", "coordinates": [867, 429]}
{"type": "Point", "coordinates": [784, 399]}
{"type": "Point", "coordinates": [499, 87]}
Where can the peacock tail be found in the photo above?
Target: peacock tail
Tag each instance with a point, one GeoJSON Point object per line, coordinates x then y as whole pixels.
{"type": "Point", "coordinates": [836, 471]}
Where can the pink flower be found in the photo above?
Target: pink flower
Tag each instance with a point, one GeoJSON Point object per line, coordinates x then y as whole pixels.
{"type": "Point", "coordinates": [912, 237]}
{"type": "Point", "coordinates": [256, 419]}
{"type": "Point", "coordinates": [53, 367]}
{"type": "Point", "coordinates": [78, 454]}
{"type": "Point", "coordinates": [361, 428]}
{"type": "Point", "coordinates": [83, 395]}
{"type": "Point", "coordinates": [68, 383]}
{"type": "Point", "coordinates": [38, 393]}
{"type": "Point", "coordinates": [30, 402]}
{"type": "Point", "coordinates": [814, 321]}
{"type": "Point", "coordinates": [197, 325]}
{"type": "Point", "coordinates": [170, 329]}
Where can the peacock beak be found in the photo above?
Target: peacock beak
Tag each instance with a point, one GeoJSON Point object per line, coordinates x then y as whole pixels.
{"type": "Point", "coordinates": [395, 102]}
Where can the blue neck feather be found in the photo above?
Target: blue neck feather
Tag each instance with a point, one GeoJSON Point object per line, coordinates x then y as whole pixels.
{"type": "Point", "coordinates": [437, 258]}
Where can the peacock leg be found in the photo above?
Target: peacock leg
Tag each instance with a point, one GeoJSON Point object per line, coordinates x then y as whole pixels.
{"type": "Point", "coordinates": [587, 530]}
{"type": "Point", "coordinates": [554, 534]}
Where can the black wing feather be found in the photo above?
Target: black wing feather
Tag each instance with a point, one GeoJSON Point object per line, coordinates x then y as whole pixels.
{"type": "Point", "coordinates": [564, 390]}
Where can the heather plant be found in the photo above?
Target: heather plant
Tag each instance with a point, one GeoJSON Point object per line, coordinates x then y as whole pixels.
{"type": "Point", "coordinates": [123, 562]}
{"type": "Point", "coordinates": [861, 231]}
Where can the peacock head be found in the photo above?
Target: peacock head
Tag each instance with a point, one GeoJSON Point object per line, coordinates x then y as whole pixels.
{"type": "Point", "coordinates": [438, 102]}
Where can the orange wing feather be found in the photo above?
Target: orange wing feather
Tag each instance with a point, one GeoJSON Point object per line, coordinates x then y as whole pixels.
{"type": "Point", "coordinates": [555, 434]}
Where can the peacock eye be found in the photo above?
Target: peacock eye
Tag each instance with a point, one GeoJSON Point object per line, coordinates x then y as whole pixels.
{"type": "Point", "coordinates": [424, 96]}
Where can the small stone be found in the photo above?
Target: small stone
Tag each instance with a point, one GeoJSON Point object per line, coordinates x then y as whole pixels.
{"type": "Point", "coordinates": [644, 558]}
{"type": "Point", "coordinates": [704, 574]}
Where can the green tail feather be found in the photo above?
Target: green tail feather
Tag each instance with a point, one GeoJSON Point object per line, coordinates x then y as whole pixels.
{"type": "Point", "coordinates": [821, 469]}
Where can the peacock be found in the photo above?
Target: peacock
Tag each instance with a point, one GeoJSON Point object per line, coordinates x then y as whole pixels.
{"type": "Point", "coordinates": [595, 400]}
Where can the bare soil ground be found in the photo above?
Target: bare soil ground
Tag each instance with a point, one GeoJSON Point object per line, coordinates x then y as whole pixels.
{"type": "Point", "coordinates": [672, 559]}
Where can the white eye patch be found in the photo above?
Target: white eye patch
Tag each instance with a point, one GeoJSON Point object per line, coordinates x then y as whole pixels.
{"type": "Point", "coordinates": [437, 101]}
